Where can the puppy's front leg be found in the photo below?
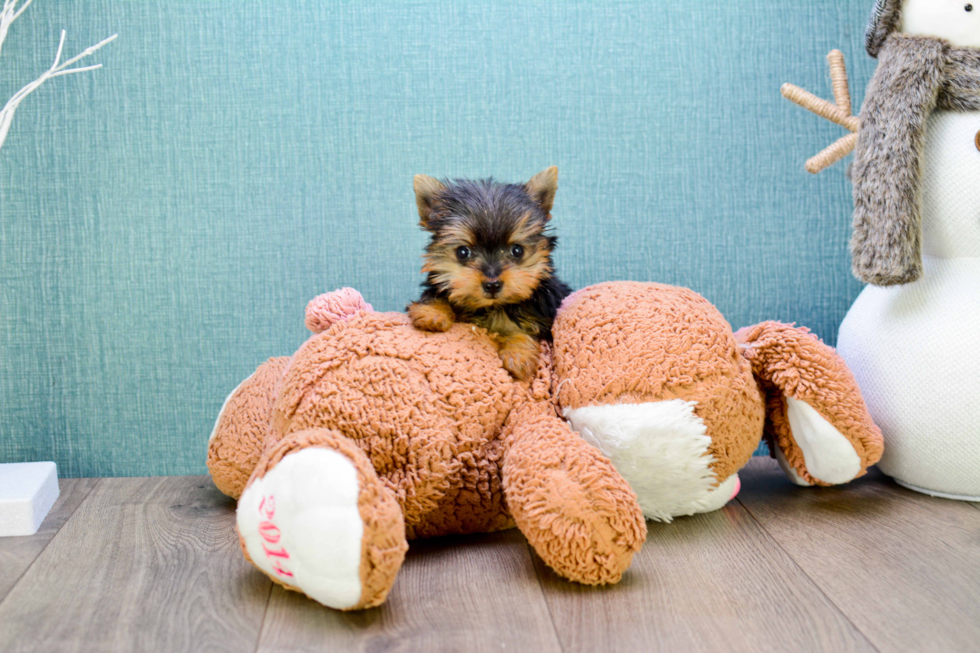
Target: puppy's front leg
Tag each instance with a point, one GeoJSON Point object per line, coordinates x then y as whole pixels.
{"type": "Point", "coordinates": [431, 315]}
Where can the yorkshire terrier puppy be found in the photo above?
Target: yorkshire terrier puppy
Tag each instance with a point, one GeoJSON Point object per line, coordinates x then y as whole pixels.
{"type": "Point", "coordinates": [489, 262]}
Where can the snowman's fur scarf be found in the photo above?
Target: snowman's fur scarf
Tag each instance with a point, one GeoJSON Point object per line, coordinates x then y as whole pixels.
{"type": "Point", "coordinates": [916, 76]}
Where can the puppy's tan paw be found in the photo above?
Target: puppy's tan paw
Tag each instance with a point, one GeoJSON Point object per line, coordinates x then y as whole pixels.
{"type": "Point", "coordinates": [431, 316]}
{"type": "Point", "coordinates": [519, 354]}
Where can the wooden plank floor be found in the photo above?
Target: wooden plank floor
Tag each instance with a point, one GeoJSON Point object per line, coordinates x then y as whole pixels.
{"type": "Point", "coordinates": [153, 564]}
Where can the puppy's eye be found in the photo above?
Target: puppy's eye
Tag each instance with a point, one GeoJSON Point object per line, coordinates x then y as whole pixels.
{"type": "Point", "coordinates": [463, 253]}
{"type": "Point", "coordinates": [969, 7]}
{"type": "Point", "coordinates": [517, 251]}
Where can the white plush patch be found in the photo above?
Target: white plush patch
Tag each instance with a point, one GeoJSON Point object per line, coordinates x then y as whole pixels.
{"type": "Point", "coordinates": [946, 19]}
{"type": "Point", "coordinates": [214, 431]}
{"type": "Point", "coordinates": [301, 525]}
{"type": "Point", "coordinates": [789, 471]}
{"type": "Point", "coordinates": [661, 449]}
{"type": "Point", "coordinates": [828, 455]}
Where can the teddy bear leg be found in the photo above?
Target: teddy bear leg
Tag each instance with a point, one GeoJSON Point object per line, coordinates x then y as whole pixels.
{"type": "Point", "coordinates": [810, 450]}
{"type": "Point", "coordinates": [577, 512]}
{"type": "Point", "coordinates": [238, 438]}
{"type": "Point", "coordinates": [821, 428]}
{"type": "Point", "coordinates": [316, 518]}
{"type": "Point", "coordinates": [662, 449]}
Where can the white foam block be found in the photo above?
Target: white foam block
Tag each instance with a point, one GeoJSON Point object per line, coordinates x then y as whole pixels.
{"type": "Point", "coordinates": [27, 492]}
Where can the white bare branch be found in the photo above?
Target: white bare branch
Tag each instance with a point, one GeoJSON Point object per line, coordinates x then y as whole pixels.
{"type": "Point", "coordinates": [8, 14]}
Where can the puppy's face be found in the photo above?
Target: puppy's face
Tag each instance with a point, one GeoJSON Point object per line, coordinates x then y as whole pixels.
{"type": "Point", "coordinates": [489, 243]}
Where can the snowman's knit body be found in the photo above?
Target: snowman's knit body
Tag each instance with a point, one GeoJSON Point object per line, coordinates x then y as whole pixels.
{"type": "Point", "coordinates": [915, 348]}
{"type": "Point", "coordinates": [913, 339]}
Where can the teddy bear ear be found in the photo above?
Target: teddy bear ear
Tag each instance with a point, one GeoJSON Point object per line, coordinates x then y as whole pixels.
{"type": "Point", "coordinates": [329, 308]}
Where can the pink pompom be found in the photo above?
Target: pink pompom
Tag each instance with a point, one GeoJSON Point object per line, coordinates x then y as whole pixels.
{"type": "Point", "coordinates": [738, 486]}
{"type": "Point", "coordinates": [332, 307]}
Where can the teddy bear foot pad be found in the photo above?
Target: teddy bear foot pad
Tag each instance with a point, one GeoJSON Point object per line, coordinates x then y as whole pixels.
{"type": "Point", "coordinates": [301, 525]}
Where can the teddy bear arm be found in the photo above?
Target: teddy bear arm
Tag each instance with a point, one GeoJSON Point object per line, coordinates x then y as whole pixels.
{"type": "Point", "coordinates": [577, 512]}
{"type": "Point", "coordinates": [820, 425]}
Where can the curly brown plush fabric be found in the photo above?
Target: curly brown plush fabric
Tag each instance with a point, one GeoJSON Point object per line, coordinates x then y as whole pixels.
{"type": "Point", "coordinates": [242, 430]}
{"type": "Point", "coordinates": [426, 407]}
{"type": "Point", "coordinates": [792, 362]}
{"type": "Point", "coordinates": [574, 508]}
{"type": "Point", "coordinates": [428, 411]}
{"type": "Point", "coordinates": [676, 345]}
{"type": "Point", "coordinates": [443, 440]}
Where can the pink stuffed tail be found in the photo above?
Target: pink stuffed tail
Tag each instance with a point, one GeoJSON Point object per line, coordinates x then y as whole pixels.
{"type": "Point", "coordinates": [329, 308]}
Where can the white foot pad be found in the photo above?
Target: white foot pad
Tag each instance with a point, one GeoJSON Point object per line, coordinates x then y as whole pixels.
{"type": "Point", "coordinates": [27, 492]}
{"type": "Point", "coordinates": [661, 449]}
{"type": "Point", "coordinates": [789, 471]}
{"type": "Point", "coordinates": [828, 455]}
{"type": "Point", "coordinates": [301, 525]}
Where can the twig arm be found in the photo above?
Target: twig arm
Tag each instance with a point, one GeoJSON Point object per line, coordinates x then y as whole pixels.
{"type": "Point", "coordinates": [832, 154]}
{"type": "Point", "coordinates": [838, 79]}
{"type": "Point", "coordinates": [839, 111]}
{"type": "Point", "coordinates": [819, 106]}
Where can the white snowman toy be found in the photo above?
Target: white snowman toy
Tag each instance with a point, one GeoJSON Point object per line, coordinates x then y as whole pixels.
{"type": "Point", "coordinates": [912, 337]}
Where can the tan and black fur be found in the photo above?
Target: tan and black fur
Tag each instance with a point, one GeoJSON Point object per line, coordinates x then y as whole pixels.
{"type": "Point", "coordinates": [489, 262]}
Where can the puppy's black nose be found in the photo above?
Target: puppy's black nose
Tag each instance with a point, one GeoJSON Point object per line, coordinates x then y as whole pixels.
{"type": "Point", "coordinates": [492, 287]}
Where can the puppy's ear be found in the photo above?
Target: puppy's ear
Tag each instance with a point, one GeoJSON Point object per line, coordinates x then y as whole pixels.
{"type": "Point", "coordinates": [542, 188]}
{"type": "Point", "coordinates": [427, 190]}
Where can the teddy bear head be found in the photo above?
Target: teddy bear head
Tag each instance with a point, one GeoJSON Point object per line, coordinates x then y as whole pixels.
{"type": "Point", "coordinates": [653, 376]}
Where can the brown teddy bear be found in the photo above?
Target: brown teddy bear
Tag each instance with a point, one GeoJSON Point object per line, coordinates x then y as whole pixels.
{"type": "Point", "coordinates": [375, 433]}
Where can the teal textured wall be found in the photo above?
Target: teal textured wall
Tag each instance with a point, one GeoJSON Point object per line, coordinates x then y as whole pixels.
{"type": "Point", "coordinates": [164, 220]}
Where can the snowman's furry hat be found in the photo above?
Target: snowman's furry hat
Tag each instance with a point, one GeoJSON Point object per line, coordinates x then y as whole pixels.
{"type": "Point", "coordinates": [885, 19]}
